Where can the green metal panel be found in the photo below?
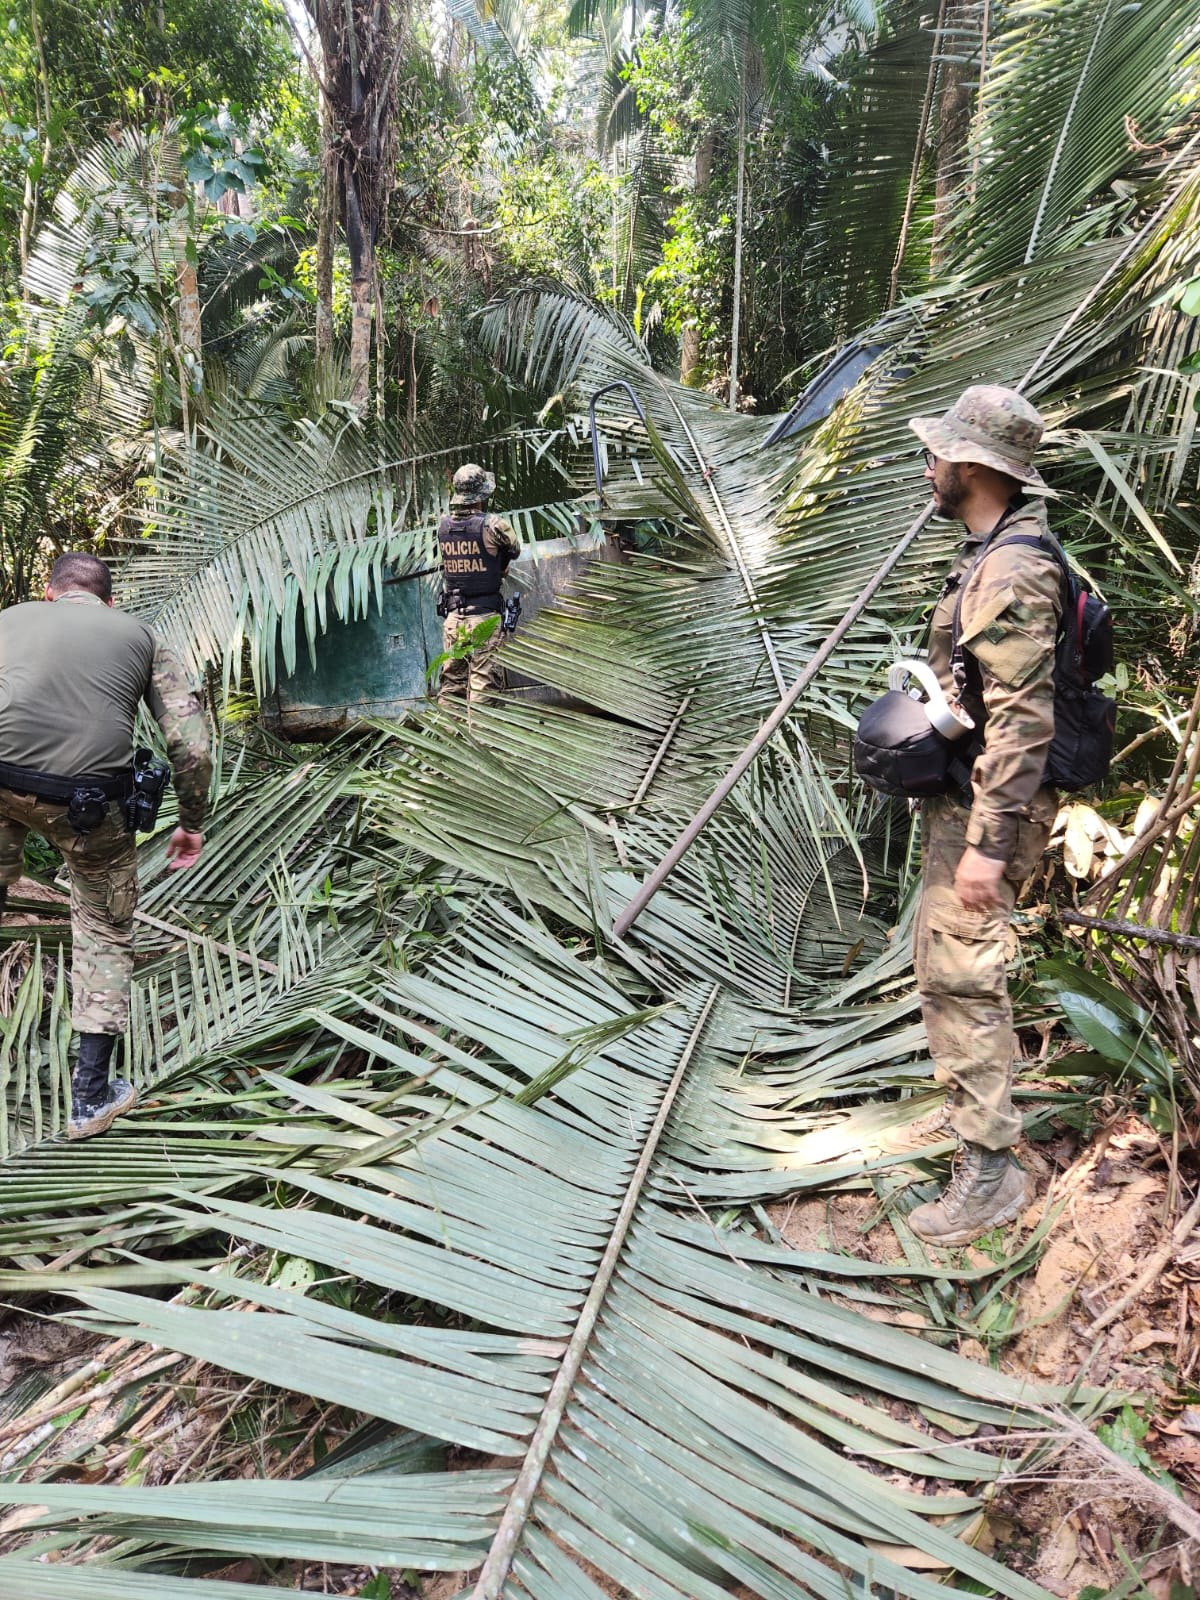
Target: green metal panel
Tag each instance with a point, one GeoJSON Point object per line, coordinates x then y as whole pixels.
{"type": "Point", "coordinates": [375, 667]}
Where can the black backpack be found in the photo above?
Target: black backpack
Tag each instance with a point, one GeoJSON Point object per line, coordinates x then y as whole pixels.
{"type": "Point", "coordinates": [897, 750]}
{"type": "Point", "coordinates": [1084, 719]}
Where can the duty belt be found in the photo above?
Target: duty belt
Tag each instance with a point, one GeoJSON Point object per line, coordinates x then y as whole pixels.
{"type": "Point", "coordinates": [55, 790]}
{"type": "Point", "coordinates": [477, 605]}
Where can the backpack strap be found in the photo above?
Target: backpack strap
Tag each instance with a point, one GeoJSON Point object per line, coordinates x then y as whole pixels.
{"type": "Point", "coordinates": [958, 667]}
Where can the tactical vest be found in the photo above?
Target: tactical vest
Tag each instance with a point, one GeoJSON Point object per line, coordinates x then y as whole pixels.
{"type": "Point", "coordinates": [72, 674]}
{"type": "Point", "coordinates": [472, 572]}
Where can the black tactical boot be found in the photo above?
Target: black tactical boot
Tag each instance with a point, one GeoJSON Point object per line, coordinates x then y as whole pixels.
{"type": "Point", "coordinates": [987, 1190]}
{"type": "Point", "coordinates": [95, 1102]}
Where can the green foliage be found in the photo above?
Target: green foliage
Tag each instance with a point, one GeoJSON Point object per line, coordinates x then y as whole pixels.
{"type": "Point", "coordinates": [1118, 1031]}
{"type": "Point", "coordinates": [1124, 1436]}
{"type": "Point", "coordinates": [75, 71]}
{"type": "Point", "coordinates": [377, 1588]}
{"type": "Point", "coordinates": [218, 161]}
{"type": "Point", "coordinates": [466, 642]}
{"type": "Point", "coordinates": [552, 218]}
{"type": "Point", "coordinates": [683, 80]}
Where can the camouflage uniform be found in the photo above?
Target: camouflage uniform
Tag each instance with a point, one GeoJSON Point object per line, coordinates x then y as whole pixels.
{"type": "Point", "coordinates": [472, 678]}
{"type": "Point", "coordinates": [1009, 618]}
{"type": "Point", "coordinates": [481, 673]}
{"type": "Point", "coordinates": [52, 720]}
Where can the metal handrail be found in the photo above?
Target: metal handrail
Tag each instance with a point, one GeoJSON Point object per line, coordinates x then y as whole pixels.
{"type": "Point", "coordinates": [618, 383]}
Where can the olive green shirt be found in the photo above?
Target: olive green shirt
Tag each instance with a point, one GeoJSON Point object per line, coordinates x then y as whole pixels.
{"type": "Point", "coordinates": [1009, 622]}
{"type": "Point", "coordinates": [72, 675]}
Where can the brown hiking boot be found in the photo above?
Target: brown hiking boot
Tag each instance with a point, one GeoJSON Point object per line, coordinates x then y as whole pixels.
{"type": "Point", "coordinates": [987, 1190]}
{"type": "Point", "coordinates": [932, 1128]}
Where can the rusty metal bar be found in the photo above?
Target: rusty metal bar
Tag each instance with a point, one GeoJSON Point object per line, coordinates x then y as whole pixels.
{"type": "Point", "coordinates": [597, 469]}
{"type": "Point", "coordinates": [763, 737]}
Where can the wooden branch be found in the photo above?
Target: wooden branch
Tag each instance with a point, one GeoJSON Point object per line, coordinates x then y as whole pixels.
{"type": "Point", "coordinates": [203, 938]}
{"type": "Point", "coordinates": [1132, 930]}
{"type": "Point", "coordinates": [69, 1399]}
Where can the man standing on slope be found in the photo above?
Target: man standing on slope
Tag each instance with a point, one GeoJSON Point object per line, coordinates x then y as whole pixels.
{"type": "Point", "coordinates": [976, 855]}
{"type": "Point", "coordinates": [476, 550]}
{"type": "Point", "coordinates": [72, 675]}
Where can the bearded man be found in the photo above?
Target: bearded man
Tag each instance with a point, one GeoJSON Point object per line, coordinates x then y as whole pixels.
{"type": "Point", "coordinates": [1001, 601]}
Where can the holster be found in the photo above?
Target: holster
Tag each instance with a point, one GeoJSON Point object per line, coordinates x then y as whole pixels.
{"type": "Point", "coordinates": [147, 784]}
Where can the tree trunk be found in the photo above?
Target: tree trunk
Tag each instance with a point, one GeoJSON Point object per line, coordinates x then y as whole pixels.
{"type": "Point", "coordinates": [28, 221]}
{"type": "Point", "coordinates": [954, 127]}
{"type": "Point", "coordinates": [361, 42]}
{"type": "Point", "coordinates": [739, 219]}
{"type": "Point", "coordinates": [327, 209]}
{"type": "Point", "coordinates": [29, 200]}
{"type": "Point", "coordinates": [362, 304]}
{"type": "Point", "coordinates": [187, 286]}
{"type": "Point", "coordinates": [362, 297]}
{"type": "Point", "coordinates": [689, 355]}
{"type": "Point", "coordinates": [380, 348]}
{"type": "Point", "coordinates": [189, 355]}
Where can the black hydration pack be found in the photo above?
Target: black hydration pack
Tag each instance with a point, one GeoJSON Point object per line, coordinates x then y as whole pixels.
{"type": "Point", "coordinates": [1085, 719]}
{"type": "Point", "coordinates": [897, 750]}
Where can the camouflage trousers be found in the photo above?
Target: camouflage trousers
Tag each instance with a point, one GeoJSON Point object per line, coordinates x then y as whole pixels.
{"type": "Point", "coordinates": [102, 866]}
{"type": "Point", "coordinates": [476, 676]}
{"type": "Point", "coordinates": [961, 959]}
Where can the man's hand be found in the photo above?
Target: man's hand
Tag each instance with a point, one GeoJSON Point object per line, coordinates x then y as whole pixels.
{"type": "Point", "coordinates": [977, 881]}
{"type": "Point", "coordinates": [183, 849]}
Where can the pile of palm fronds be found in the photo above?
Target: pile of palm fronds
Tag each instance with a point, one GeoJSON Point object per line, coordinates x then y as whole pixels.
{"type": "Point", "coordinates": [419, 1139]}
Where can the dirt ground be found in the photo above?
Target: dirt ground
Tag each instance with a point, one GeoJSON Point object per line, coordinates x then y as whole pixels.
{"type": "Point", "coordinates": [1082, 1314]}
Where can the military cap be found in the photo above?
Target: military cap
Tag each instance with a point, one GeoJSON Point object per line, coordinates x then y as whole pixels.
{"type": "Point", "coordinates": [992, 425]}
{"type": "Point", "coordinates": [472, 483]}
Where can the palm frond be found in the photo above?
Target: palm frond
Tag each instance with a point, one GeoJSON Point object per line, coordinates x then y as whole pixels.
{"type": "Point", "coordinates": [870, 189]}
{"type": "Point", "coordinates": [575, 1187]}
{"type": "Point", "coordinates": [1078, 77]}
{"type": "Point", "coordinates": [230, 270]}
{"type": "Point", "coordinates": [502, 28]}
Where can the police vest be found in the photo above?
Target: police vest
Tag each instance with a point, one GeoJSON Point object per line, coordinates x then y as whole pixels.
{"type": "Point", "coordinates": [472, 572]}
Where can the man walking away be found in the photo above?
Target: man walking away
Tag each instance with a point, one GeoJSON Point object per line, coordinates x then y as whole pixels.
{"type": "Point", "coordinates": [72, 675]}
{"type": "Point", "coordinates": [476, 550]}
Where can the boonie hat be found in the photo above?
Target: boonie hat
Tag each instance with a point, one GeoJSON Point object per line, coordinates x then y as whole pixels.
{"type": "Point", "coordinates": [472, 483]}
{"type": "Point", "coordinates": [994, 426]}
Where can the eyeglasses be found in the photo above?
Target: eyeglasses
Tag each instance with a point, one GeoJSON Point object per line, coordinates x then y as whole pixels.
{"type": "Point", "coordinates": [930, 460]}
